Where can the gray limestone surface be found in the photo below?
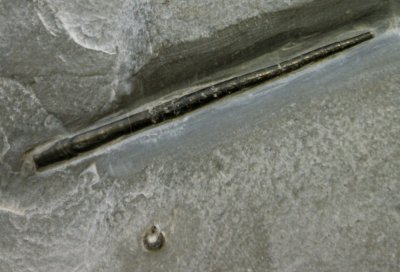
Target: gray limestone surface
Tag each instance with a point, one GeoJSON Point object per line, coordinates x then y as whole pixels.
{"type": "Point", "coordinates": [298, 174]}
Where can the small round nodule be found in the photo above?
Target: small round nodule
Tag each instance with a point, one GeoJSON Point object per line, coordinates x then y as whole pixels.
{"type": "Point", "coordinates": [153, 239]}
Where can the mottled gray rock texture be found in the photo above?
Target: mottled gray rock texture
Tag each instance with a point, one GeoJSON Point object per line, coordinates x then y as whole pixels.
{"type": "Point", "coordinates": [300, 174]}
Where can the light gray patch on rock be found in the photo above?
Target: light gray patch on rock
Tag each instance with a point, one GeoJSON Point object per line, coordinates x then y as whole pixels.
{"type": "Point", "coordinates": [22, 122]}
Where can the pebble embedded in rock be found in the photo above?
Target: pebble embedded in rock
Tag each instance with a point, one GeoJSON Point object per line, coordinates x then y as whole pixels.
{"type": "Point", "coordinates": [153, 239]}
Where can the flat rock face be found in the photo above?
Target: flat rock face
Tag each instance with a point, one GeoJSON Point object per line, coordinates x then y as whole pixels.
{"type": "Point", "coordinates": [300, 174]}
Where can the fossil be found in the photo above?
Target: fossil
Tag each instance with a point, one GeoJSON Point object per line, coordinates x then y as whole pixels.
{"type": "Point", "coordinates": [73, 146]}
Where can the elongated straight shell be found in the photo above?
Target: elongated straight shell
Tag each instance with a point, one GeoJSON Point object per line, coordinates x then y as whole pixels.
{"type": "Point", "coordinates": [71, 147]}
